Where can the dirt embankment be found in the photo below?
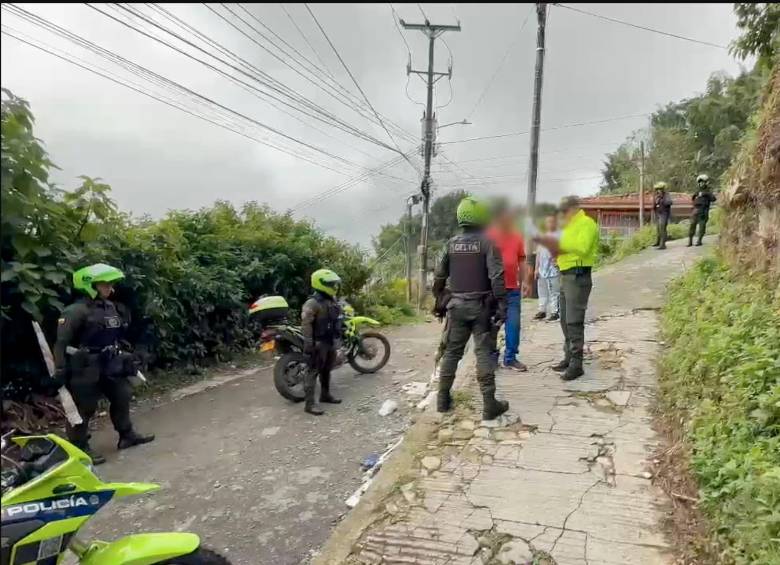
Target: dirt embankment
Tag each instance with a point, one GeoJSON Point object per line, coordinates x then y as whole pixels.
{"type": "Point", "coordinates": [751, 228]}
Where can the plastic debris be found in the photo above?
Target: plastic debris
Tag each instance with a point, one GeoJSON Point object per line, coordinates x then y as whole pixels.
{"type": "Point", "coordinates": [370, 461]}
{"type": "Point", "coordinates": [388, 407]}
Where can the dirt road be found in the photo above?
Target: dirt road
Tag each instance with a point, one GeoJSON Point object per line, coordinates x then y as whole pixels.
{"type": "Point", "coordinates": [251, 473]}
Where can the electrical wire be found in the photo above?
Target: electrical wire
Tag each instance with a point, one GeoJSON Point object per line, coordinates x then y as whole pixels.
{"type": "Point", "coordinates": [637, 26]}
{"type": "Point", "coordinates": [401, 33]}
{"type": "Point", "coordinates": [104, 74]}
{"type": "Point", "coordinates": [357, 84]}
{"type": "Point", "coordinates": [422, 12]}
{"type": "Point", "coordinates": [565, 126]}
{"type": "Point", "coordinates": [500, 65]}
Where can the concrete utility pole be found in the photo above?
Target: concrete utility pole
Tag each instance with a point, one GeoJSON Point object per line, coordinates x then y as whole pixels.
{"type": "Point", "coordinates": [536, 113]}
{"type": "Point", "coordinates": [641, 184]}
{"type": "Point", "coordinates": [431, 31]}
{"type": "Point", "coordinates": [411, 201]}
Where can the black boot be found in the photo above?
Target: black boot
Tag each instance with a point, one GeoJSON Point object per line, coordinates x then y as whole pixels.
{"type": "Point", "coordinates": [573, 371]}
{"type": "Point", "coordinates": [132, 438]}
{"type": "Point", "coordinates": [690, 242]}
{"type": "Point", "coordinates": [325, 395]}
{"type": "Point", "coordinates": [698, 243]}
{"type": "Point", "coordinates": [540, 316]}
{"type": "Point", "coordinates": [443, 397]}
{"type": "Point", "coordinates": [97, 458]}
{"type": "Point", "coordinates": [491, 408]}
{"type": "Point", "coordinates": [309, 386]}
{"type": "Point", "coordinates": [561, 366]}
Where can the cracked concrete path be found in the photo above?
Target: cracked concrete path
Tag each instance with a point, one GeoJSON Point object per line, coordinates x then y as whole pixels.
{"type": "Point", "coordinates": [564, 478]}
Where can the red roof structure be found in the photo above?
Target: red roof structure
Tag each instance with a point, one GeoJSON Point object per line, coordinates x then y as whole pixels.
{"type": "Point", "coordinates": [619, 213]}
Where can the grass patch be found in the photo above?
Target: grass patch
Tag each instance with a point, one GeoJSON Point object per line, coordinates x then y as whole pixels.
{"type": "Point", "coordinates": [463, 399]}
{"type": "Point", "coordinates": [720, 378]}
{"type": "Point", "coordinates": [613, 249]}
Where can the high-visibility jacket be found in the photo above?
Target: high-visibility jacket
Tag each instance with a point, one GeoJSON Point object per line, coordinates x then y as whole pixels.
{"type": "Point", "coordinates": [579, 242]}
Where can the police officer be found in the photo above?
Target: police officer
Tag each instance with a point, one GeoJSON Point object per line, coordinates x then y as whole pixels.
{"type": "Point", "coordinates": [702, 200]}
{"type": "Point", "coordinates": [576, 250]}
{"type": "Point", "coordinates": [475, 271]}
{"type": "Point", "coordinates": [89, 361]}
{"type": "Point", "coordinates": [321, 325]}
{"type": "Point", "coordinates": [663, 211]}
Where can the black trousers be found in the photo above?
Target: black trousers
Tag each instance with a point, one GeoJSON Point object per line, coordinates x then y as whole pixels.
{"type": "Point", "coordinates": [575, 291]}
{"type": "Point", "coordinates": [698, 219]}
{"type": "Point", "coordinates": [661, 222]}
{"type": "Point", "coordinates": [321, 365]}
{"type": "Point", "coordinates": [86, 394]}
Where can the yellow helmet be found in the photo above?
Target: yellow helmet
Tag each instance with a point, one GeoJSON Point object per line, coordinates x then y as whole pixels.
{"type": "Point", "coordinates": [326, 281]}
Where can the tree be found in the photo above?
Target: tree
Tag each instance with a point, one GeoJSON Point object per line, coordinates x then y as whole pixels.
{"type": "Point", "coordinates": [760, 25]}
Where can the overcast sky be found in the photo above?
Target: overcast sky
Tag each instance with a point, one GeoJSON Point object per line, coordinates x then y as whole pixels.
{"type": "Point", "coordinates": [158, 158]}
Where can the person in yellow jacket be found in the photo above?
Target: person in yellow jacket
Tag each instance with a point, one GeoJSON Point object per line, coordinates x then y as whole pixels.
{"type": "Point", "coordinates": [576, 254]}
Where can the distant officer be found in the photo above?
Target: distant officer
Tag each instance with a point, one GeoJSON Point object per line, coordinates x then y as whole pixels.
{"type": "Point", "coordinates": [475, 271]}
{"type": "Point", "coordinates": [321, 326]}
{"type": "Point", "coordinates": [576, 250]}
{"type": "Point", "coordinates": [702, 200]}
{"type": "Point", "coordinates": [94, 326]}
{"type": "Point", "coordinates": [663, 211]}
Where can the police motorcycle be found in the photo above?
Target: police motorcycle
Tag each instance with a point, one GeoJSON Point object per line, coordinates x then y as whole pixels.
{"type": "Point", "coordinates": [50, 490]}
{"type": "Point", "coordinates": [366, 351]}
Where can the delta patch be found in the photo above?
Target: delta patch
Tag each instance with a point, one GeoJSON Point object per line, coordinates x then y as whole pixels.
{"type": "Point", "coordinates": [466, 247]}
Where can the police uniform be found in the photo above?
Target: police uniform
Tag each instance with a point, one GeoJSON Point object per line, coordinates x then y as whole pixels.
{"type": "Point", "coordinates": [473, 266]}
{"type": "Point", "coordinates": [94, 328]}
{"type": "Point", "coordinates": [321, 326]}
{"type": "Point", "coordinates": [663, 211]}
{"type": "Point", "coordinates": [702, 200]}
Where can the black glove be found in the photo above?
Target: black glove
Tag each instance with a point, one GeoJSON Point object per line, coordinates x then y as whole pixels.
{"type": "Point", "coordinates": [500, 316]}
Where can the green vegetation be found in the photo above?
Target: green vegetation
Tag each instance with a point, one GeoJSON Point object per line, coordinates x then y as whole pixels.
{"type": "Point", "coordinates": [190, 274]}
{"type": "Point", "coordinates": [613, 249]}
{"type": "Point", "coordinates": [721, 379]}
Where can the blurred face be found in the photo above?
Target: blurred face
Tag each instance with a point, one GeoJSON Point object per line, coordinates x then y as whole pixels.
{"type": "Point", "coordinates": [550, 223]}
{"type": "Point", "coordinates": [505, 220]}
{"type": "Point", "coordinates": [567, 215]}
{"type": "Point", "coordinates": [104, 289]}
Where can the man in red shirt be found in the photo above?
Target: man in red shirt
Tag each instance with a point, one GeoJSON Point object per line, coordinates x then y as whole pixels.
{"type": "Point", "coordinates": [509, 241]}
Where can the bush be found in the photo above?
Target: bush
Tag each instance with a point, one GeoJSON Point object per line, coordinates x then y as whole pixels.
{"type": "Point", "coordinates": [386, 302]}
{"type": "Point", "coordinates": [189, 276]}
{"type": "Point", "coordinates": [721, 377]}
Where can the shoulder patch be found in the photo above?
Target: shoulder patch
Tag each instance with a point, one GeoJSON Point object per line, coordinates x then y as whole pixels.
{"type": "Point", "coordinates": [61, 322]}
{"type": "Point", "coordinates": [466, 247]}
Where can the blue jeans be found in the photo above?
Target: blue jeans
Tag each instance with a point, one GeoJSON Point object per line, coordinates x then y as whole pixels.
{"type": "Point", "coordinates": [512, 325]}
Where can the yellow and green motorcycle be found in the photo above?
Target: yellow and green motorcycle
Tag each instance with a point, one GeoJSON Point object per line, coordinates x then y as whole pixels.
{"type": "Point", "coordinates": [49, 491]}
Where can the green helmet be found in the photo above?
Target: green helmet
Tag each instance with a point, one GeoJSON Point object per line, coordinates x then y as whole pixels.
{"type": "Point", "coordinates": [326, 281]}
{"type": "Point", "coordinates": [472, 212]}
{"type": "Point", "coordinates": [660, 186]}
{"type": "Point", "coordinates": [86, 277]}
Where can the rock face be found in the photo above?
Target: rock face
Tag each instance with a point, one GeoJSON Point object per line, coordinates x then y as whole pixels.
{"type": "Point", "coordinates": [515, 552]}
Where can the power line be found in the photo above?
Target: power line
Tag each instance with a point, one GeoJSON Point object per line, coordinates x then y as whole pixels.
{"type": "Point", "coordinates": [501, 64]}
{"type": "Point", "coordinates": [403, 37]}
{"type": "Point", "coordinates": [637, 26]}
{"type": "Point", "coordinates": [565, 126]}
{"type": "Point", "coordinates": [156, 78]}
{"type": "Point", "coordinates": [357, 84]}
{"type": "Point", "coordinates": [105, 74]}
{"type": "Point", "coordinates": [425, 18]}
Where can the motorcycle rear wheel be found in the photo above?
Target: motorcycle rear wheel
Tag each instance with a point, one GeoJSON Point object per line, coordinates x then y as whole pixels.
{"type": "Point", "coordinates": [384, 355]}
{"type": "Point", "coordinates": [201, 556]}
{"type": "Point", "coordinates": [288, 375]}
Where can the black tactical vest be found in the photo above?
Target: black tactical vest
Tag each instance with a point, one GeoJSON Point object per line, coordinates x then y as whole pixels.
{"type": "Point", "coordinates": [327, 326]}
{"type": "Point", "coordinates": [468, 263]}
{"type": "Point", "coordinates": [103, 327]}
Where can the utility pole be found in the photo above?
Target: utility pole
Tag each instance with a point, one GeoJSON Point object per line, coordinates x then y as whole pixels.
{"type": "Point", "coordinates": [641, 184]}
{"type": "Point", "coordinates": [411, 201]}
{"type": "Point", "coordinates": [536, 113]}
{"type": "Point", "coordinates": [431, 31]}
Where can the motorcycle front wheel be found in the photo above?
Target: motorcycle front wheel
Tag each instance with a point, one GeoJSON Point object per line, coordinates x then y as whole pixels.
{"type": "Point", "coordinates": [289, 372]}
{"type": "Point", "coordinates": [371, 354]}
{"type": "Point", "coordinates": [201, 556]}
